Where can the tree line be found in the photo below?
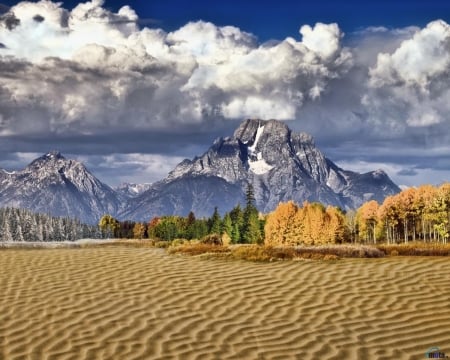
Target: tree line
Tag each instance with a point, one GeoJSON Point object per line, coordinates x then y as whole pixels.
{"type": "Point", "coordinates": [421, 213]}
{"type": "Point", "coordinates": [24, 225]}
{"type": "Point", "coordinates": [239, 226]}
{"type": "Point", "coordinates": [414, 214]}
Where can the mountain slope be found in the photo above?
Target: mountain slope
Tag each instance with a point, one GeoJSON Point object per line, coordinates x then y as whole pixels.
{"type": "Point", "coordinates": [280, 164]}
{"type": "Point", "coordinates": [53, 184]}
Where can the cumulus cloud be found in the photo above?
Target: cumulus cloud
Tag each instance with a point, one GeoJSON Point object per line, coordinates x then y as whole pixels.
{"type": "Point", "coordinates": [90, 67]}
{"type": "Point", "coordinates": [90, 74]}
{"type": "Point", "coordinates": [414, 78]}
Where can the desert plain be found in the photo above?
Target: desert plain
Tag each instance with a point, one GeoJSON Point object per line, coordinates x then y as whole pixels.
{"type": "Point", "coordinates": [141, 303]}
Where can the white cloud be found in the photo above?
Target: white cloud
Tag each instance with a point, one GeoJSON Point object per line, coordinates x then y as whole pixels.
{"type": "Point", "coordinates": [90, 67]}
{"type": "Point", "coordinates": [323, 39]}
{"type": "Point", "coordinates": [418, 61]}
{"type": "Point", "coordinates": [255, 107]}
{"type": "Point", "coordinates": [409, 87]}
{"type": "Point", "coordinates": [91, 71]}
{"type": "Point", "coordinates": [135, 167]}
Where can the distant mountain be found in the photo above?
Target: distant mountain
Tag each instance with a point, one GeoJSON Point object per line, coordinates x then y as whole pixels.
{"type": "Point", "coordinates": [130, 190]}
{"type": "Point", "coordinates": [280, 164]}
{"type": "Point", "coordinates": [55, 185]}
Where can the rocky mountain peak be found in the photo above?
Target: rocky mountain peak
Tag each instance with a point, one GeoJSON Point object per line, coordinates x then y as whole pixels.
{"type": "Point", "coordinates": [281, 165]}
{"type": "Point", "coordinates": [60, 186]}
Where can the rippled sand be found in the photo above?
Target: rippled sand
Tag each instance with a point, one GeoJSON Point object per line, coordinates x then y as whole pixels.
{"type": "Point", "coordinates": [118, 303]}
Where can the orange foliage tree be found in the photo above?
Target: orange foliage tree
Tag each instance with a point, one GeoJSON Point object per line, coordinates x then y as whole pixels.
{"type": "Point", "coordinates": [312, 224]}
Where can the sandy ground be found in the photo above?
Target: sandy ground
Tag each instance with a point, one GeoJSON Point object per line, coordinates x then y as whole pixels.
{"type": "Point", "coordinates": [122, 303]}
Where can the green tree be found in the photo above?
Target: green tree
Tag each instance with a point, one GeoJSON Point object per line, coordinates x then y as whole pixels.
{"type": "Point", "coordinates": [168, 228]}
{"type": "Point", "coordinates": [251, 231]}
{"type": "Point", "coordinates": [237, 219]}
{"type": "Point", "coordinates": [199, 229]}
{"type": "Point", "coordinates": [215, 222]}
{"type": "Point", "coordinates": [227, 225]}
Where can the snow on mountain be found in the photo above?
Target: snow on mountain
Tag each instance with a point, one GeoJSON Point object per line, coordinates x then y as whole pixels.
{"type": "Point", "coordinates": [58, 186]}
{"type": "Point", "coordinates": [131, 189]}
{"type": "Point", "coordinates": [280, 164]}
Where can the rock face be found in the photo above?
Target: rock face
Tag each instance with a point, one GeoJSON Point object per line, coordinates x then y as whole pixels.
{"type": "Point", "coordinates": [280, 164]}
{"type": "Point", "coordinates": [130, 190]}
{"type": "Point", "coordinates": [58, 186]}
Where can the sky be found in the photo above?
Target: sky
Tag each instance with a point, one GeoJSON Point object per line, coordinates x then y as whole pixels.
{"type": "Point", "coordinates": [131, 88]}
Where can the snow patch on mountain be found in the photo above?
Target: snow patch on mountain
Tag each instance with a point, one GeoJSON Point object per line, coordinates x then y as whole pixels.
{"type": "Point", "coordinates": [259, 167]}
{"type": "Point", "coordinates": [259, 132]}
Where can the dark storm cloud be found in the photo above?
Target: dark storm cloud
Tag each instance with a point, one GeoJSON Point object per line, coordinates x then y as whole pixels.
{"type": "Point", "coordinates": [9, 20]}
{"type": "Point", "coordinates": [407, 172]}
{"type": "Point", "coordinates": [126, 90]}
{"type": "Point", "coordinates": [38, 18]}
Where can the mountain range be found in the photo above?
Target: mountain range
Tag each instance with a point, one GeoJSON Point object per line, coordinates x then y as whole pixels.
{"type": "Point", "coordinates": [280, 164]}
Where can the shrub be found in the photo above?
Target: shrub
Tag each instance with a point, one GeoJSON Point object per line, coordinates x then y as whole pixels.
{"type": "Point", "coordinates": [212, 239]}
{"type": "Point", "coordinates": [162, 244]}
{"type": "Point", "coordinates": [197, 249]}
{"type": "Point", "coordinates": [344, 251]}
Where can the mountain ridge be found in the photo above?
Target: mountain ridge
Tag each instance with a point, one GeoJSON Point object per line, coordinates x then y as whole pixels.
{"type": "Point", "coordinates": [281, 165]}
{"type": "Point", "coordinates": [59, 186]}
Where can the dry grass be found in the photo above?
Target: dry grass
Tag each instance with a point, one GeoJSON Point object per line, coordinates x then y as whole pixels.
{"type": "Point", "coordinates": [197, 249]}
{"type": "Point", "coordinates": [260, 253]}
{"type": "Point", "coordinates": [342, 251]}
{"type": "Point", "coordinates": [415, 249]}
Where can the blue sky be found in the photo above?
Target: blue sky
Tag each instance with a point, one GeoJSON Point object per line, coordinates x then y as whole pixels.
{"type": "Point", "coordinates": [369, 80]}
{"type": "Point", "coordinates": [279, 19]}
{"type": "Point", "coordinates": [270, 19]}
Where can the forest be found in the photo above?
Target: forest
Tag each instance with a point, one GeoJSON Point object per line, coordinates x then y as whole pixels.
{"type": "Point", "coordinates": [24, 225]}
{"type": "Point", "coordinates": [415, 214]}
{"type": "Point", "coordinates": [421, 213]}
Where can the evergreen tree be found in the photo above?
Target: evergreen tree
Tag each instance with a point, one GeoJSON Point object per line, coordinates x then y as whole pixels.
{"type": "Point", "coordinates": [215, 222]}
{"type": "Point", "coordinates": [200, 229]}
{"type": "Point", "coordinates": [227, 225]}
{"type": "Point", "coordinates": [251, 232]}
{"type": "Point", "coordinates": [236, 234]}
{"type": "Point", "coordinates": [237, 219]}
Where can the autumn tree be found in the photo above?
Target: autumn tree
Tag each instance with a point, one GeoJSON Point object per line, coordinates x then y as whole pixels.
{"type": "Point", "coordinates": [108, 225]}
{"type": "Point", "coordinates": [139, 230]}
{"type": "Point", "coordinates": [388, 218]}
{"type": "Point", "coordinates": [367, 220]}
{"type": "Point", "coordinates": [352, 224]}
{"type": "Point", "coordinates": [281, 227]}
{"type": "Point", "coordinates": [334, 221]}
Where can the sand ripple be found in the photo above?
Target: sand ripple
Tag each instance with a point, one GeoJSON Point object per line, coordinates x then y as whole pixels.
{"type": "Point", "coordinates": [122, 303]}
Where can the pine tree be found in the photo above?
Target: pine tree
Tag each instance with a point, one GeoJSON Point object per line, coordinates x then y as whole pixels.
{"type": "Point", "coordinates": [215, 222]}
{"type": "Point", "coordinates": [227, 225]}
{"type": "Point", "coordinates": [251, 233]}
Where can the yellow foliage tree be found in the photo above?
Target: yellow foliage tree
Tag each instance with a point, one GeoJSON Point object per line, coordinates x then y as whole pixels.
{"type": "Point", "coordinates": [139, 230]}
{"type": "Point", "coordinates": [281, 226]}
{"type": "Point", "coordinates": [367, 220]}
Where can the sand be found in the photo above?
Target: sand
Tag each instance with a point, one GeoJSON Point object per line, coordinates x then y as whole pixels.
{"type": "Point", "coordinates": [125, 303]}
